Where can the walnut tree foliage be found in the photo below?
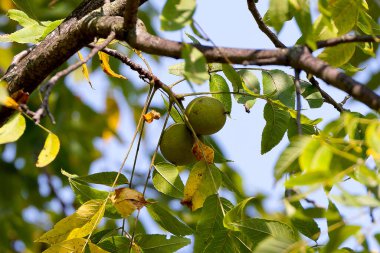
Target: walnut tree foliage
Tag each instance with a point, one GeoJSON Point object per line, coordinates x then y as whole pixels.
{"type": "Point", "coordinates": [50, 138]}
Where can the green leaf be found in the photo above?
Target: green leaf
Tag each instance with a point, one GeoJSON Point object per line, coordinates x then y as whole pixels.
{"type": "Point", "coordinates": [372, 139]}
{"type": "Point", "coordinates": [193, 39]}
{"type": "Point", "coordinates": [311, 94]}
{"type": "Point", "coordinates": [104, 178]}
{"type": "Point", "coordinates": [345, 14]}
{"type": "Point", "coordinates": [166, 180]}
{"type": "Point", "coordinates": [75, 245]}
{"type": "Point", "coordinates": [195, 65]}
{"type": "Point", "coordinates": [237, 84]}
{"type": "Point", "coordinates": [223, 242]}
{"type": "Point", "coordinates": [218, 84]}
{"type": "Point", "coordinates": [279, 245]}
{"type": "Point", "coordinates": [356, 200]}
{"type": "Point", "coordinates": [277, 121]}
{"type": "Point", "coordinates": [230, 185]}
{"type": "Point", "coordinates": [237, 214]}
{"type": "Point", "coordinates": [168, 221]}
{"type": "Point", "coordinates": [338, 55]}
{"type": "Point", "coordinates": [250, 82]}
{"type": "Point", "coordinates": [301, 10]}
{"type": "Point", "coordinates": [278, 13]}
{"type": "Point", "coordinates": [160, 243]}
{"type": "Point", "coordinates": [49, 151]}
{"type": "Point", "coordinates": [316, 156]}
{"type": "Point", "coordinates": [305, 224]}
{"type": "Point", "coordinates": [211, 220]}
{"type": "Point", "coordinates": [290, 155]}
{"type": "Point", "coordinates": [293, 129]}
{"type": "Point", "coordinates": [204, 180]}
{"type": "Point", "coordinates": [77, 225]}
{"type": "Point", "coordinates": [258, 229]}
{"type": "Point", "coordinates": [176, 116]}
{"type": "Point", "coordinates": [339, 236]}
{"type": "Point", "coordinates": [177, 69]}
{"type": "Point", "coordinates": [115, 244]}
{"type": "Point", "coordinates": [279, 84]}
{"type": "Point", "coordinates": [13, 129]}
{"type": "Point", "coordinates": [309, 178]}
{"type": "Point", "coordinates": [32, 31]}
{"type": "Point", "coordinates": [176, 14]}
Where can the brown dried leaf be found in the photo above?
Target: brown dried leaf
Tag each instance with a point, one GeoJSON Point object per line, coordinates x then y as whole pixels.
{"type": "Point", "coordinates": [203, 152]}
{"type": "Point", "coordinates": [152, 115]}
{"type": "Point", "coordinates": [127, 200]}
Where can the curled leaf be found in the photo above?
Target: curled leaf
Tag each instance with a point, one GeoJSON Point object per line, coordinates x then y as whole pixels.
{"type": "Point", "coordinates": [152, 115]}
{"type": "Point", "coordinates": [49, 151]}
{"type": "Point", "coordinates": [104, 62]}
{"type": "Point", "coordinates": [203, 152]}
{"type": "Point", "coordinates": [85, 69]}
{"type": "Point", "coordinates": [126, 200]}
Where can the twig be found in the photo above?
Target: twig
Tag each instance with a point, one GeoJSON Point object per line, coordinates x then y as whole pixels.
{"type": "Point", "coordinates": [326, 96]}
{"type": "Point", "coordinates": [298, 98]}
{"type": "Point", "coordinates": [263, 27]}
{"type": "Point", "coordinates": [346, 98]}
{"type": "Point", "coordinates": [348, 38]}
{"type": "Point", "coordinates": [47, 88]}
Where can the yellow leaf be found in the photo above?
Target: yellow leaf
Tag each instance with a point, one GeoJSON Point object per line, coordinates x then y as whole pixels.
{"type": "Point", "coordinates": [152, 115]}
{"type": "Point", "coordinates": [85, 69]}
{"type": "Point", "coordinates": [76, 245]}
{"type": "Point", "coordinates": [104, 63]}
{"type": "Point", "coordinates": [10, 103]}
{"type": "Point", "coordinates": [13, 129]}
{"type": "Point", "coordinates": [126, 200]}
{"type": "Point", "coordinates": [49, 151]}
{"type": "Point", "coordinates": [204, 180]}
{"type": "Point", "coordinates": [78, 225]}
{"type": "Point", "coordinates": [203, 152]}
{"type": "Point", "coordinates": [113, 117]}
{"type": "Point", "coordinates": [6, 5]}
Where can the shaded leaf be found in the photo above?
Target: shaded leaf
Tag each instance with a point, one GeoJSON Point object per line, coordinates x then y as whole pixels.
{"type": "Point", "coordinates": [77, 225]}
{"type": "Point", "coordinates": [166, 179]}
{"type": "Point", "coordinates": [218, 84]}
{"type": "Point", "coordinates": [160, 243]}
{"type": "Point", "coordinates": [276, 245]}
{"type": "Point", "coordinates": [176, 116]}
{"type": "Point", "coordinates": [13, 129]}
{"type": "Point", "coordinates": [277, 121]}
{"type": "Point", "coordinates": [104, 178]}
{"type": "Point", "coordinates": [49, 151]}
{"type": "Point", "coordinates": [237, 213]}
{"type": "Point", "coordinates": [168, 221]}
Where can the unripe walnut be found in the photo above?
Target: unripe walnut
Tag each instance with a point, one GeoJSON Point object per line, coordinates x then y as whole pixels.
{"type": "Point", "coordinates": [206, 115]}
{"type": "Point", "coordinates": [177, 143]}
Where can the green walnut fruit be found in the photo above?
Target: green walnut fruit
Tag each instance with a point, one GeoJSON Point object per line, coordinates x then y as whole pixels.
{"type": "Point", "coordinates": [177, 143]}
{"type": "Point", "coordinates": [206, 115]}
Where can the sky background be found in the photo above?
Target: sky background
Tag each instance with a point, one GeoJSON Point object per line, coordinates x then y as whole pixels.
{"type": "Point", "coordinates": [227, 23]}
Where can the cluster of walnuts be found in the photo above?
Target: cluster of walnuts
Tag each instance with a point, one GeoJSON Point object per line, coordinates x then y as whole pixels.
{"type": "Point", "coordinates": [206, 115]}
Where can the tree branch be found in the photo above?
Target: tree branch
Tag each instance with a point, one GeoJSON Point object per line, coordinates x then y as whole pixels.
{"type": "Point", "coordinates": [348, 38]}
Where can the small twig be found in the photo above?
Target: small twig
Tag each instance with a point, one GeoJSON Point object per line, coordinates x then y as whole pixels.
{"type": "Point", "coordinates": [346, 98]}
{"type": "Point", "coordinates": [348, 38]}
{"type": "Point", "coordinates": [326, 96]}
{"type": "Point", "coordinates": [298, 98]}
{"type": "Point", "coordinates": [151, 93]}
{"type": "Point", "coordinates": [47, 88]}
{"type": "Point", "coordinates": [263, 27]}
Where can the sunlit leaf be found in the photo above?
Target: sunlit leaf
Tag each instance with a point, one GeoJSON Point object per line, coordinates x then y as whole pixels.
{"type": "Point", "coordinates": [168, 221]}
{"type": "Point", "coordinates": [49, 151]}
{"type": "Point", "coordinates": [13, 129]}
{"type": "Point", "coordinates": [278, 13]}
{"type": "Point", "coordinates": [104, 178]}
{"type": "Point", "coordinates": [304, 20]}
{"type": "Point", "coordinates": [177, 69]}
{"type": "Point", "coordinates": [104, 63]}
{"type": "Point", "coordinates": [345, 14]}
{"type": "Point", "coordinates": [338, 55]}
{"type": "Point", "coordinates": [176, 14]}
{"type": "Point", "coordinates": [316, 156]}
{"type": "Point", "coordinates": [372, 138]}
{"type": "Point", "coordinates": [127, 200]}
{"type": "Point", "coordinates": [166, 180]}
{"type": "Point", "coordinates": [220, 87]}
{"type": "Point", "coordinates": [203, 181]}
{"type": "Point", "coordinates": [195, 65]}
{"type": "Point", "coordinates": [77, 225]}
{"type": "Point", "coordinates": [237, 213]}
{"type": "Point", "coordinates": [75, 245]}
{"type": "Point", "coordinates": [290, 155]}
{"type": "Point", "coordinates": [277, 121]}
{"type": "Point", "coordinates": [85, 69]}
